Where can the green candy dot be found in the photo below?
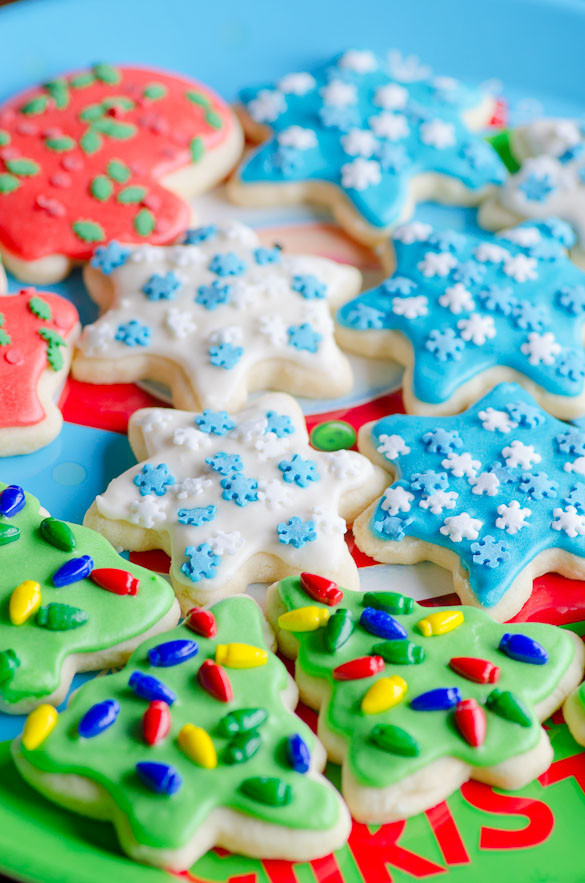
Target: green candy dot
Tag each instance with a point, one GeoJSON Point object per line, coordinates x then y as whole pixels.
{"type": "Point", "coordinates": [101, 188]}
{"type": "Point", "coordinates": [197, 149]}
{"type": "Point", "coordinates": [144, 222]}
{"type": "Point", "coordinates": [333, 435]}
{"type": "Point", "coordinates": [198, 98]}
{"type": "Point", "coordinates": [24, 168]}
{"type": "Point", "coordinates": [60, 145]}
{"type": "Point", "coordinates": [155, 91]}
{"type": "Point", "coordinates": [118, 171]}
{"type": "Point", "coordinates": [90, 142]}
{"type": "Point", "coordinates": [131, 195]}
{"type": "Point", "coordinates": [213, 119]}
{"type": "Point", "coordinates": [8, 183]}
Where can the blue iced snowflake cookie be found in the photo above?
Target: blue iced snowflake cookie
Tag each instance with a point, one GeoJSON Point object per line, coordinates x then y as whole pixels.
{"type": "Point", "coordinates": [495, 494]}
{"type": "Point", "coordinates": [464, 311]}
{"type": "Point", "coordinates": [357, 132]}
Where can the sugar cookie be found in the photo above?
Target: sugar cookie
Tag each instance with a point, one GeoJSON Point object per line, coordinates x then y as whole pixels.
{"type": "Point", "coordinates": [182, 752]}
{"type": "Point", "coordinates": [235, 499]}
{"type": "Point", "coordinates": [368, 137]}
{"type": "Point", "coordinates": [110, 152]}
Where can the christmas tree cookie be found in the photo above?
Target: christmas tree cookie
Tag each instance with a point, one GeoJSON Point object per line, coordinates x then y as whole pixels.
{"type": "Point", "coordinates": [193, 744]}
{"type": "Point", "coordinates": [496, 495]}
{"type": "Point", "coordinates": [368, 136]}
{"type": "Point", "coordinates": [414, 701]}
{"type": "Point", "coordinates": [463, 311]}
{"type": "Point", "coordinates": [37, 333]}
{"type": "Point", "coordinates": [69, 603]}
{"type": "Point", "coordinates": [109, 152]}
{"type": "Point", "coordinates": [235, 499]}
{"type": "Point", "coordinates": [215, 317]}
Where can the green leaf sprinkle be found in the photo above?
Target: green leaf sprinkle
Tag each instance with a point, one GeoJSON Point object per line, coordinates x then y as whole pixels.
{"type": "Point", "coordinates": [105, 73]}
{"type": "Point", "coordinates": [118, 171]}
{"type": "Point", "coordinates": [113, 129]}
{"type": "Point", "coordinates": [197, 149]}
{"type": "Point", "coordinates": [213, 119]}
{"type": "Point", "coordinates": [90, 142]}
{"type": "Point", "coordinates": [118, 101]}
{"type": "Point", "coordinates": [8, 184]}
{"type": "Point", "coordinates": [5, 338]}
{"type": "Point", "coordinates": [59, 92]}
{"type": "Point", "coordinates": [24, 168]}
{"type": "Point", "coordinates": [101, 188]}
{"type": "Point", "coordinates": [54, 341]}
{"type": "Point", "coordinates": [40, 308]}
{"type": "Point", "coordinates": [4, 138]}
{"type": "Point", "coordinates": [61, 144]}
{"type": "Point", "coordinates": [154, 91]}
{"type": "Point", "coordinates": [35, 105]}
{"type": "Point", "coordinates": [82, 81]}
{"type": "Point", "coordinates": [89, 231]}
{"type": "Point", "coordinates": [144, 222]}
{"type": "Point", "coordinates": [91, 112]}
{"type": "Point", "coordinates": [131, 194]}
{"type": "Point", "coordinates": [198, 98]}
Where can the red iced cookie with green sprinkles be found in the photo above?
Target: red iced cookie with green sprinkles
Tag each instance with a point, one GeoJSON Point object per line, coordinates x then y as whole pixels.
{"type": "Point", "coordinates": [37, 333]}
{"type": "Point", "coordinates": [105, 153]}
{"type": "Point", "coordinates": [414, 701]}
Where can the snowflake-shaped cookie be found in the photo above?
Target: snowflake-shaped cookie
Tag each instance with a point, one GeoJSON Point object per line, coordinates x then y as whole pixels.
{"type": "Point", "coordinates": [233, 510]}
{"type": "Point", "coordinates": [216, 316]}
{"type": "Point", "coordinates": [360, 139]}
{"type": "Point", "coordinates": [518, 513]}
{"type": "Point", "coordinates": [551, 179]}
{"type": "Point", "coordinates": [510, 306]}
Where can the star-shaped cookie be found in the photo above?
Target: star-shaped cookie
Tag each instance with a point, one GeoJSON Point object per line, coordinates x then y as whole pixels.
{"type": "Point", "coordinates": [496, 495]}
{"type": "Point", "coordinates": [463, 312]}
{"type": "Point", "coordinates": [369, 137]}
{"type": "Point", "coordinates": [550, 181]}
{"type": "Point", "coordinates": [103, 153]}
{"type": "Point", "coordinates": [215, 317]}
{"type": "Point", "coordinates": [37, 333]}
{"type": "Point", "coordinates": [235, 499]}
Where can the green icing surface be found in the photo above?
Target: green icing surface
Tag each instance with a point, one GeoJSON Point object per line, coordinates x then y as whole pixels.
{"type": "Point", "coordinates": [435, 731]}
{"type": "Point", "coordinates": [110, 758]}
{"type": "Point", "coordinates": [112, 618]}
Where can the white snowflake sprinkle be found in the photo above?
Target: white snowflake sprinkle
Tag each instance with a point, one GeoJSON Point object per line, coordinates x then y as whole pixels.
{"type": "Point", "coordinates": [396, 499]}
{"type": "Point", "coordinates": [461, 464]}
{"type": "Point", "coordinates": [457, 299]}
{"type": "Point", "coordinates": [477, 328]}
{"type": "Point", "coordinates": [512, 517]}
{"type": "Point", "coordinates": [541, 348]}
{"type": "Point", "coordinates": [392, 446]}
{"type": "Point", "coordinates": [494, 420]}
{"type": "Point", "coordinates": [519, 454]}
{"type": "Point", "coordinates": [462, 526]}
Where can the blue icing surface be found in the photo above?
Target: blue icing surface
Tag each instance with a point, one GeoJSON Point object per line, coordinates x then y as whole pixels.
{"type": "Point", "coordinates": [353, 123]}
{"type": "Point", "coordinates": [496, 484]}
{"type": "Point", "coordinates": [468, 303]}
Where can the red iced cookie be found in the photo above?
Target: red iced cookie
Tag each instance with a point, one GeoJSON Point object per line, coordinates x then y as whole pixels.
{"type": "Point", "coordinates": [106, 153]}
{"type": "Point", "coordinates": [37, 333]}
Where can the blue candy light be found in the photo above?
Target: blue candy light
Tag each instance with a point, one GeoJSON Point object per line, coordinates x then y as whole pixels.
{"type": "Point", "coordinates": [162, 778]}
{"type": "Point", "coordinates": [12, 500]}
{"type": "Point", "coordinates": [523, 649]}
{"type": "Point", "coordinates": [172, 653]}
{"type": "Point", "coordinates": [380, 623]}
{"type": "Point", "coordinates": [298, 753]}
{"type": "Point", "coordinates": [150, 688]}
{"type": "Point", "coordinates": [98, 718]}
{"type": "Point", "coordinates": [72, 571]}
{"type": "Point", "coordinates": [439, 699]}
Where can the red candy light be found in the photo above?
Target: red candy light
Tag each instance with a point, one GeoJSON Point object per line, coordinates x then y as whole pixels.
{"type": "Point", "coordinates": [119, 582]}
{"type": "Point", "coordinates": [201, 621]}
{"type": "Point", "coordinates": [214, 679]}
{"type": "Point", "coordinates": [156, 722]}
{"type": "Point", "coordinates": [480, 671]}
{"type": "Point", "coordinates": [362, 667]}
{"type": "Point", "coordinates": [321, 589]}
{"type": "Point", "coordinates": [470, 721]}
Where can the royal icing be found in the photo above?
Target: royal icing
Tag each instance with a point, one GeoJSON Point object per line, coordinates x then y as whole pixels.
{"type": "Point", "coordinates": [445, 659]}
{"type": "Point", "coordinates": [218, 307]}
{"type": "Point", "coordinates": [468, 303]}
{"type": "Point", "coordinates": [219, 489]}
{"type": "Point", "coordinates": [496, 485]}
{"type": "Point", "coordinates": [371, 131]}
{"type": "Point", "coordinates": [34, 331]}
{"type": "Point", "coordinates": [83, 157]}
{"type": "Point", "coordinates": [52, 612]}
{"type": "Point", "coordinates": [243, 754]}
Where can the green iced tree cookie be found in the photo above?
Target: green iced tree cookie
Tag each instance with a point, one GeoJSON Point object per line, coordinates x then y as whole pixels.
{"type": "Point", "coordinates": [69, 603]}
{"type": "Point", "coordinates": [194, 743]}
{"type": "Point", "coordinates": [415, 700]}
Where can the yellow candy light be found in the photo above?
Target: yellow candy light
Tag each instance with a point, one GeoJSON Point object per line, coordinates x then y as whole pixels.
{"type": "Point", "coordinates": [24, 601]}
{"type": "Point", "coordinates": [39, 724]}
{"type": "Point", "coordinates": [304, 619]}
{"type": "Point", "coordinates": [384, 694]}
{"type": "Point", "coordinates": [240, 655]}
{"type": "Point", "coordinates": [196, 743]}
{"type": "Point", "coordinates": [440, 623]}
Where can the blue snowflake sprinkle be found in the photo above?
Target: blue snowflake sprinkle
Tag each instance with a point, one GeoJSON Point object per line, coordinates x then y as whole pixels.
{"type": "Point", "coordinates": [429, 482]}
{"type": "Point", "coordinates": [203, 562]}
{"type": "Point", "coordinates": [529, 316]}
{"type": "Point", "coordinates": [572, 441]}
{"type": "Point", "coordinates": [469, 272]}
{"type": "Point", "coordinates": [525, 414]}
{"type": "Point", "coordinates": [279, 424]}
{"type": "Point", "coordinates": [343, 118]}
{"type": "Point", "coordinates": [392, 527]}
{"type": "Point", "coordinates": [225, 463]}
{"type": "Point", "coordinates": [200, 234]}
{"type": "Point", "coordinates": [214, 295]}
{"type": "Point", "coordinates": [441, 441]}
{"type": "Point", "coordinates": [398, 285]}
{"type": "Point", "coordinates": [504, 474]}
{"type": "Point", "coordinates": [196, 516]}
{"type": "Point", "coordinates": [447, 240]}
{"type": "Point", "coordinates": [537, 188]}
{"type": "Point", "coordinates": [489, 552]}
{"type": "Point", "coordinates": [154, 479]}
{"type": "Point", "coordinates": [444, 344]}
{"type": "Point", "coordinates": [216, 422]}
{"type": "Point", "coordinates": [299, 471]}
{"type": "Point", "coordinates": [538, 485]}
{"type": "Point", "coordinates": [392, 157]}
{"type": "Point", "coordinates": [547, 250]}
{"type": "Point", "coordinates": [576, 497]}
{"type": "Point", "coordinates": [284, 160]}
{"type": "Point", "coordinates": [558, 229]}
{"type": "Point", "coordinates": [133, 333]}
{"type": "Point", "coordinates": [161, 287]}
{"type": "Point", "coordinates": [497, 298]}
{"type": "Point", "coordinates": [227, 264]}
{"type": "Point", "coordinates": [572, 299]}
{"type": "Point", "coordinates": [225, 355]}
{"type": "Point", "coordinates": [264, 256]}
{"type": "Point", "coordinates": [309, 286]}
{"type": "Point", "coordinates": [304, 337]}
{"type": "Point", "coordinates": [296, 532]}
{"type": "Point", "coordinates": [108, 258]}
{"type": "Point", "coordinates": [477, 154]}
{"type": "Point", "coordinates": [363, 316]}
{"type": "Point", "coordinates": [571, 364]}
{"type": "Point", "coordinates": [239, 489]}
